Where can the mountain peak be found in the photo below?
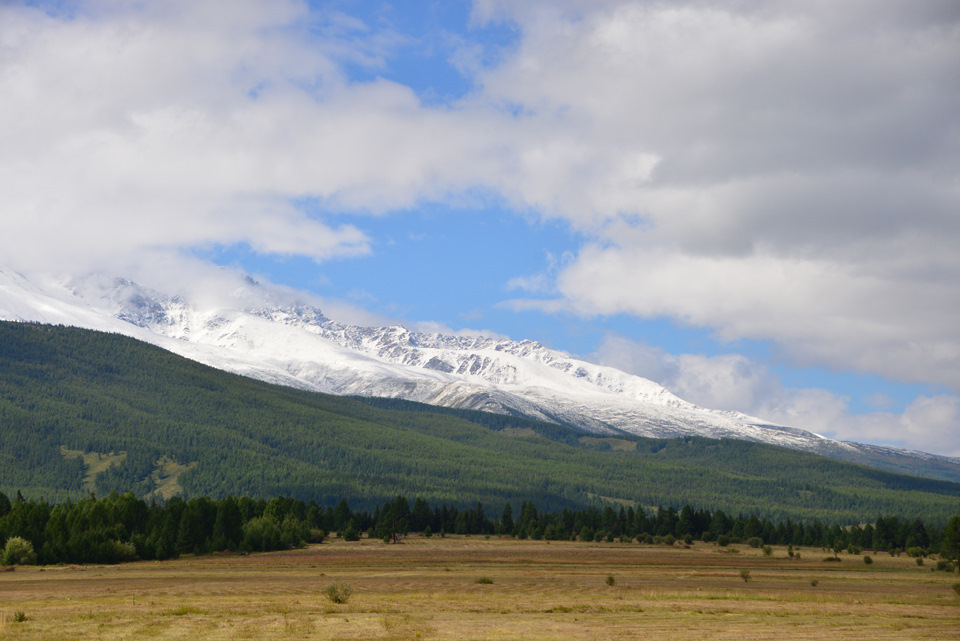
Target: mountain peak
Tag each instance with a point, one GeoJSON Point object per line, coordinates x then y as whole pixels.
{"type": "Point", "coordinates": [273, 335]}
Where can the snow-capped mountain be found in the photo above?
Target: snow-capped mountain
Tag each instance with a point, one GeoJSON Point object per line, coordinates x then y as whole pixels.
{"type": "Point", "coordinates": [268, 334]}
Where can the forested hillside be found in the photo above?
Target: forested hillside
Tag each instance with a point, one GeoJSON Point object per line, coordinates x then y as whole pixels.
{"type": "Point", "coordinates": [82, 411]}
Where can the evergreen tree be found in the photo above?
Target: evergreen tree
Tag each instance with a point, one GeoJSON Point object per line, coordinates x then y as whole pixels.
{"type": "Point", "coordinates": [506, 520]}
{"type": "Point", "coordinates": [950, 548]}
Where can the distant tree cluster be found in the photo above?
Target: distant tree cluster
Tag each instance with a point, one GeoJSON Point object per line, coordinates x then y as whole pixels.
{"type": "Point", "coordinates": [122, 527]}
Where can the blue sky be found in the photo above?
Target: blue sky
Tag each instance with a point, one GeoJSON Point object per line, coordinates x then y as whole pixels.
{"type": "Point", "coordinates": [755, 205]}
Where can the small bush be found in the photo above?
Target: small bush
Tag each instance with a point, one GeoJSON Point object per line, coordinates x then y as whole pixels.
{"type": "Point", "coordinates": [919, 560]}
{"type": "Point", "coordinates": [867, 559]}
{"type": "Point", "coordinates": [484, 580]}
{"type": "Point", "coordinates": [124, 551]}
{"type": "Point", "coordinates": [915, 551]}
{"type": "Point", "coordinates": [688, 539]}
{"type": "Point", "coordinates": [19, 616]}
{"type": "Point", "coordinates": [767, 550]}
{"type": "Point", "coordinates": [832, 559]}
{"type": "Point", "coordinates": [796, 555]}
{"type": "Point", "coordinates": [745, 575]}
{"type": "Point", "coordinates": [351, 533]}
{"type": "Point", "coordinates": [19, 551]}
{"type": "Point", "coordinates": [182, 610]}
{"type": "Point", "coordinates": [814, 582]}
{"type": "Point", "coordinates": [956, 588]}
{"type": "Point", "coordinates": [723, 540]}
{"type": "Point", "coordinates": [854, 550]}
{"type": "Point", "coordinates": [338, 592]}
{"type": "Point", "coordinates": [669, 539]}
{"type": "Point", "coordinates": [428, 532]}
{"type": "Point", "coordinates": [610, 580]}
{"type": "Point", "coordinates": [754, 541]}
{"type": "Point", "coordinates": [315, 535]}
{"type": "Point", "coordinates": [944, 566]}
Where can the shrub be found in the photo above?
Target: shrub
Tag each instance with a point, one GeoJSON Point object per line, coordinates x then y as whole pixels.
{"type": "Point", "coordinates": [125, 551]}
{"type": "Point", "coordinates": [944, 566]}
{"type": "Point", "coordinates": [854, 549]}
{"type": "Point", "coordinates": [669, 539]}
{"type": "Point", "coordinates": [688, 539]}
{"type": "Point", "coordinates": [19, 551]}
{"type": "Point", "coordinates": [754, 541]}
{"type": "Point", "coordinates": [745, 575]}
{"type": "Point", "coordinates": [915, 551]}
{"type": "Point", "coordinates": [867, 559]}
{"type": "Point", "coordinates": [182, 611]}
{"type": "Point", "coordinates": [19, 616]}
{"type": "Point", "coordinates": [338, 592]}
{"type": "Point", "coordinates": [956, 588]}
{"type": "Point", "coordinates": [767, 550]}
{"type": "Point", "coordinates": [919, 560]}
{"type": "Point", "coordinates": [261, 534]}
{"type": "Point", "coordinates": [814, 582]}
{"type": "Point", "coordinates": [610, 580]}
{"type": "Point", "coordinates": [484, 580]}
{"type": "Point", "coordinates": [351, 533]}
{"type": "Point", "coordinates": [723, 540]}
{"type": "Point", "coordinates": [428, 532]}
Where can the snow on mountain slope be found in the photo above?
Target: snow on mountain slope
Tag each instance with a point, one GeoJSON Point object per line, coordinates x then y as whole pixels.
{"type": "Point", "coordinates": [268, 334]}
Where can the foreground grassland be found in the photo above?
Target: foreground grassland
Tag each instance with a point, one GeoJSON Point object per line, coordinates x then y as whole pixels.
{"type": "Point", "coordinates": [429, 589]}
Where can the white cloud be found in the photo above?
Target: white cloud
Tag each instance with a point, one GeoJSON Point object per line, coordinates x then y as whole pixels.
{"type": "Point", "coordinates": [736, 382]}
{"type": "Point", "coordinates": [799, 175]}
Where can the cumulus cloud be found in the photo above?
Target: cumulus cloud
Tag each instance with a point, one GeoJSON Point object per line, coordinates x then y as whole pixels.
{"type": "Point", "coordinates": [128, 127]}
{"type": "Point", "coordinates": [780, 171]}
{"type": "Point", "coordinates": [736, 382]}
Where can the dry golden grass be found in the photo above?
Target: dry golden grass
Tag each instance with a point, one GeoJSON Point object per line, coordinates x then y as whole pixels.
{"type": "Point", "coordinates": [95, 463]}
{"type": "Point", "coordinates": [428, 589]}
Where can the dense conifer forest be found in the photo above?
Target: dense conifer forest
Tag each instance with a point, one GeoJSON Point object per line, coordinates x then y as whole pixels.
{"type": "Point", "coordinates": [160, 425]}
{"type": "Point", "coordinates": [121, 527]}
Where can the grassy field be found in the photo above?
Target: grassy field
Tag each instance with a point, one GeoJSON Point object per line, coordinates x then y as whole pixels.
{"type": "Point", "coordinates": [480, 588]}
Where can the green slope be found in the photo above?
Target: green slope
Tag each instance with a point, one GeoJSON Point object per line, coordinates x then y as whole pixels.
{"type": "Point", "coordinates": [158, 421]}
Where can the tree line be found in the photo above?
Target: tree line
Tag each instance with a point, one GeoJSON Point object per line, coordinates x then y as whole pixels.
{"type": "Point", "coordinates": [122, 527]}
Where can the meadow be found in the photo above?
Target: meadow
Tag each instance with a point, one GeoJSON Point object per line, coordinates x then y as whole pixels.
{"type": "Point", "coordinates": [487, 588]}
